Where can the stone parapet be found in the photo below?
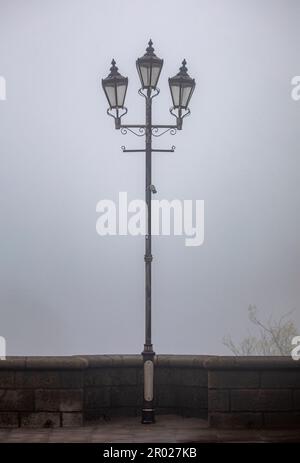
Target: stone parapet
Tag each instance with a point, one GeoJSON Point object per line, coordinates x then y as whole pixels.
{"type": "Point", "coordinates": [232, 392]}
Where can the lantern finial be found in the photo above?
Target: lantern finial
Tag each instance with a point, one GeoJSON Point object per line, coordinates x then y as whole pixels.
{"type": "Point", "coordinates": [183, 69]}
{"type": "Point", "coordinates": [114, 70]}
{"type": "Point", "coordinates": [150, 49]}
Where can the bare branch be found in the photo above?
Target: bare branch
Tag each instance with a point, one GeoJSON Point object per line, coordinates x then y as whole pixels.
{"type": "Point", "coordinates": [274, 336]}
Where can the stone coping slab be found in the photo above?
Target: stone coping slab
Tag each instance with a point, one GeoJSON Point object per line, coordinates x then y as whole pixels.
{"type": "Point", "coordinates": [82, 362]}
{"type": "Point", "coordinates": [44, 363]}
{"type": "Point", "coordinates": [250, 363]}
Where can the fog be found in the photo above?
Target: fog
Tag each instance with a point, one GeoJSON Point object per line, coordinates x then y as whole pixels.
{"type": "Point", "coordinates": [66, 290]}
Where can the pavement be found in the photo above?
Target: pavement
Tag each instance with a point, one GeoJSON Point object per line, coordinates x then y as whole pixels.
{"type": "Point", "coordinates": [168, 429]}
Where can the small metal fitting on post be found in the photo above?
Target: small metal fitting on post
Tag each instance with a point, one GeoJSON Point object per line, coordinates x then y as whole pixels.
{"type": "Point", "coordinates": [179, 123]}
{"type": "Point", "coordinates": [148, 258]}
{"type": "Point", "coordinates": [153, 189]}
{"type": "Point", "coordinates": [118, 123]}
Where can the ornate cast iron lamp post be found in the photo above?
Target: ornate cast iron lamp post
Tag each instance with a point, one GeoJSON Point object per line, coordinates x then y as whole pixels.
{"type": "Point", "coordinates": [182, 86]}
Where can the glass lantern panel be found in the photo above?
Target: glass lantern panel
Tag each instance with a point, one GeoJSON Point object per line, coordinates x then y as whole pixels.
{"type": "Point", "coordinates": [111, 95]}
{"type": "Point", "coordinates": [121, 91]}
{"type": "Point", "coordinates": [155, 75]}
{"type": "Point", "coordinates": [175, 91]}
{"type": "Point", "coordinates": [185, 94]}
{"type": "Point", "coordinates": [145, 74]}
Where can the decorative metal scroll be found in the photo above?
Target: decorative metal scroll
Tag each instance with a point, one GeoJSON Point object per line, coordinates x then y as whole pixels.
{"type": "Point", "coordinates": [155, 131]}
{"type": "Point", "coordinates": [140, 131]}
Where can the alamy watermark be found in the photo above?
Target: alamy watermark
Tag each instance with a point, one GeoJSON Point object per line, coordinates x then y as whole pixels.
{"type": "Point", "coordinates": [295, 93]}
{"type": "Point", "coordinates": [177, 217]}
{"type": "Point", "coordinates": [2, 88]}
{"type": "Point", "coordinates": [296, 350]}
{"type": "Point", "coordinates": [2, 348]}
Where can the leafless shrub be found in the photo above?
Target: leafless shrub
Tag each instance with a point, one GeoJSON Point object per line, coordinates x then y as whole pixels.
{"type": "Point", "coordinates": [274, 336]}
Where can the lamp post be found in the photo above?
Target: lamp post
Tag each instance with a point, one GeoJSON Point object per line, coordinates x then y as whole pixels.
{"type": "Point", "coordinates": [181, 86]}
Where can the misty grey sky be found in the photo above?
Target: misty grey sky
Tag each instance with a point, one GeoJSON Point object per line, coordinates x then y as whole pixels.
{"type": "Point", "coordinates": [66, 290]}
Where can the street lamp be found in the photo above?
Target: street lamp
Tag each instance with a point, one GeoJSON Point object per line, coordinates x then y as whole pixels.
{"type": "Point", "coordinates": [149, 68]}
{"type": "Point", "coordinates": [115, 87]}
{"type": "Point", "coordinates": [182, 86]}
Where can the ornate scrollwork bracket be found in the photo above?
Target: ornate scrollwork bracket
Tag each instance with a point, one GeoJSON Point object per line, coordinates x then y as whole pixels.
{"type": "Point", "coordinates": [115, 113]}
{"type": "Point", "coordinates": [139, 132]}
{"type": "Point", "coordinates": [144, 93]}
{"type": "Point", "coordinates": [156, 131]}
{"type": "Point", "coordinates": [180, 115]}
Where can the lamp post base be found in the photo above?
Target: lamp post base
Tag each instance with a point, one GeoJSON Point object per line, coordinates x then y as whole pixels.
{"type": "Point", "coordinates": [148, 416]}
{"type": "Point", "coordinates": [148, 413]}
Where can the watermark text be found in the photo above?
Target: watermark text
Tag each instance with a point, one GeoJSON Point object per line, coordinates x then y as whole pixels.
{"type": "Point", "coordinates": [175, 217]}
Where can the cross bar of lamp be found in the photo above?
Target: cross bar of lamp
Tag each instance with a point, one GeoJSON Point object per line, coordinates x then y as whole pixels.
{"type": "Point", "coordinates": [143, 151]}
{"type": "Point", "coordinates": [141, 126]}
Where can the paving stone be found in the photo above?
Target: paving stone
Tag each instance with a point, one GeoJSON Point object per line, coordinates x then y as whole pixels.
{"type": "Point", "coordinates": [130, 430]}
{"type": "Point", "coordinates": [239, 436]}
{"type": "Point", "coordinates": [280, 435]}
{"type": "Point", "coordinates": [236, 420]}
{"type": "Point", "coordinates": [282, 420]}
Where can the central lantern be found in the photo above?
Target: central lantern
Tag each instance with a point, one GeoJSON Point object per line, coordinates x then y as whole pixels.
{"type": "Point", "coordinates": [149, 68]}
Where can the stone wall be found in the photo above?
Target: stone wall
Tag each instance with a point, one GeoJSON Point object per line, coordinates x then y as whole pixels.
{"type": "Point", "coordinates": [253, 392]}
{"type": "Point", "coordinates": [70, 391]}
{"type": "Point", "coordinates": [245, 392]}
{"type": "Point", "coordinates": [113, 386]}
{"type": "Point", "coordinates": [41, 392]}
